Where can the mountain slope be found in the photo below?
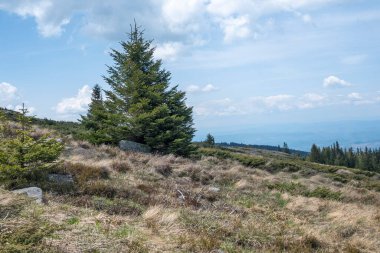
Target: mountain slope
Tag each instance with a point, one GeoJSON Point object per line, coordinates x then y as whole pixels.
{"type": "Point", "coordinates": [224, 200]}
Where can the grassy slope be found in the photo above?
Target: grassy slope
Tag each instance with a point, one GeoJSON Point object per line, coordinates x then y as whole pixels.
{"type": "Point", "coordinates": [240, 200]}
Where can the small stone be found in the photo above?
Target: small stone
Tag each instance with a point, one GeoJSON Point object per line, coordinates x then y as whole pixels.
{"type": "Point", "coordinates": [33, 192]}
{"type": "Point", "coordinates": [213, 189]}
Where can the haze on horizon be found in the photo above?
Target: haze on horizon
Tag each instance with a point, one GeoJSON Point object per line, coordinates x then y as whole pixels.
{"type": "Point", "coordinates": [255, 71]}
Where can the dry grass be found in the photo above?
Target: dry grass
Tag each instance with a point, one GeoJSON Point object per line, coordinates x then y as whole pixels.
{"type": "Point", "coordinates": [131, 202]}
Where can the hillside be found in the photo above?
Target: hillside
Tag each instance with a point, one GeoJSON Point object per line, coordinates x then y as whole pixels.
{"type": "Point", "coordinates": [221, 200]}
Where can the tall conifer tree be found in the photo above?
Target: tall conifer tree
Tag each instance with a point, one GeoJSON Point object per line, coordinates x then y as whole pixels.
{"type": "Point", "coordinates": [144, 108]}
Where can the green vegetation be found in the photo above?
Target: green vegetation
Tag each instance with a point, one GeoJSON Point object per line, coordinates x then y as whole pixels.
{"type": "Point", "coordinates": [140, 106]}
{"type": "Point", "coordinates": [300, 189]}
{"type": "Point", "coordinates": [95, 122]}
{"type": "Point", "coordinates": [247, 160]}
{"type": "Point", "coordinates": [132, 202]}
{"type": "Point", "coordinates": [210, 141]}
{"type": "Point", "coordinates": [23, 152]}
{"type": "Point", "coordinates": [367, 159]}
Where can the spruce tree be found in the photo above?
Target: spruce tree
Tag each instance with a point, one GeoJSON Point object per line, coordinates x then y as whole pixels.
{"type": "Point", "coordinates": [210, 140]}
{"type": "Point", "coordinates": [96, 122]}
{"type": "Point", "coordinates": [315, 154]}
{"type": "Point", "coordinates": [144, 108]}
{"type": "Point", "coordinates": [285, 148]}
{"type": "Point", "coordinates": [22, 154]}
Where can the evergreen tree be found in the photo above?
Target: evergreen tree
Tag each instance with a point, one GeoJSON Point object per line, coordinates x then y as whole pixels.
{"type": "Point", "coordinates": [143, 107]}
{"type": "Point", "coordinates": [285, 148]}
{"type": "Point", "coordinates": [96, 122]}
{"type": "Point", "coordinates": [210, 140]}
{"type": "Point", "coordinates": [22, 154]}
{"type": "Point", "coordinates": [367, 159]}
{"type": "Point", "coordinates": [315, 154]}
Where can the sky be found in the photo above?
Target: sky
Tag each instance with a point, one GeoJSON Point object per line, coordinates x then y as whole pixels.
{"type": "Point", "coordinates": [245, 64]}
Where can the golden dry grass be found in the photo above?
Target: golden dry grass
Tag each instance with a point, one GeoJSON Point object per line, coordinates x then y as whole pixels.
{"type": "Point", "coordinates": [153, 203]}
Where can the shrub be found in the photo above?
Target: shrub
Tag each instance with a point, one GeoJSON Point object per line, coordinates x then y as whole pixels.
{"type": "Point", "coordinates": [117, 206]}
{"type": "Point", "coordinates": [99, 188]}
{"type": "Point", "coordinates": [163, 168]}
{"type": "Point", "coordinates": [300, 189]}
{"type": "Point", "coordinates": [28, 238]}
{"type": "Point", "coordinates": [247, 160]}
{"type": "Point", "coordinates": [121, 166]}
{"type": "Point", "coordinates": [285, 166]}
{"type": "Point", "coordinates": [291, 187]}
{"type": "Point", "coordinates": [83, 173]}
{"type": "Point", "coordinates": [325, 193]}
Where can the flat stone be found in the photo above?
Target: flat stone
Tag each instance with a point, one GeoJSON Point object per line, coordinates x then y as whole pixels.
{"type": "Point", "coordinates": [32, 192]}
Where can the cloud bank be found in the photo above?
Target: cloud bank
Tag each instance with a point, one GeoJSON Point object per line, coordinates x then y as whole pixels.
{"type": "Point", "coordinates": [77, 104]}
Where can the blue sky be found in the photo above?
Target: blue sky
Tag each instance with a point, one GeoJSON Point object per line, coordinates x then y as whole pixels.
{"type": "Point", "coordinates": [243, 63]}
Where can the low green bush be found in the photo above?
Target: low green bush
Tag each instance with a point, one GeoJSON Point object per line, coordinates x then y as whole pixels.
{"type": "Point", "coordinates": [325, 193]}
{"type": "Point", "coordinates": [28, 238]}
{"type": "Point", "coordinates": [244, 159]}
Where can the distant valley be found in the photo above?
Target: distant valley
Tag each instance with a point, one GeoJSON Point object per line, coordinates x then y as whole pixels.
{"type": "Point", "coordinates": [357, 134]}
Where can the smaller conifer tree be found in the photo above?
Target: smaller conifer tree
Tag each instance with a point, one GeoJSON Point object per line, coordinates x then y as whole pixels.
{"type": "Point", "coordinates": [210, 140]}
{"type": "Point", "coordinates": [97, 120]}
{"type": "Point", "coordinates": [21, 153]}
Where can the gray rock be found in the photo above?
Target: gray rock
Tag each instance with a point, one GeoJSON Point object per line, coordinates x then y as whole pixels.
{"type": "Point", "coordinates": [213, 189]}
{"type": "Point", "coordinates": [133, 146]}
{"type": "Point", "coordinates": [33, 192]}
{"type": "Point", "coordinates": [61, 178]}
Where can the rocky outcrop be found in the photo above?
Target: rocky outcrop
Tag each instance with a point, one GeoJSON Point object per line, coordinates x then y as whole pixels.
{"type": "Point", "coordinates": [33, 192]}
{"type": "Point", "coordinates": [133, 146]}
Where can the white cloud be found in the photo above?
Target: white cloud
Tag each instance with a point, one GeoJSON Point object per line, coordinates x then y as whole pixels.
{"type": "Point", "coordinates": [111, 19]}
{"type": "Point", "coordinates": [8, 92]}
{"type": "Point", "coordinates": [311, 100]}
{"type": "Point", "coordinates": [355, 96]}
{"type": "Point", "coordinates": [235, 28]}
{"type": "Point", "coordinates": [76, 104]}
{"type": "Point", "coordinates": [18, 108]}
{"type": "Point", "coordinates": [314, 97]}
{"type": "Point", "coordinates": [279, 103]}
{"type": "Point", "coordinates": [11, 99]}
{"type": "Point", "coordinates": [220, 107]}
{"type": "Point", "coordinates": [333, 81]}
{"type": "Point", "coordinates": [209, 87]}
{"type": "Point", "coordinates": [197, 88]}
{"type": "Point", "coordinates": [180, 16]}
{"type": "Point", "coordinates": [50, 20]}
{"type": "Point", "coordinates": [168, 51]}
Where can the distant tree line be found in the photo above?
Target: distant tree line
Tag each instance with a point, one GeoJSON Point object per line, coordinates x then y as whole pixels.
{"type": "Point", "coordinates": [365, 159]}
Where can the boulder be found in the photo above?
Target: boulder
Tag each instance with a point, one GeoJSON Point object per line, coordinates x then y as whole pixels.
{"type": "Point", "coordinates": [133, 146]}
{"type": "Point", "coordinates": [33, 192]}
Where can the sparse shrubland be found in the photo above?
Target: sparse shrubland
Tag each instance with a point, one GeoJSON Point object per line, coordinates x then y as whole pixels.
{"type": "Point", "coordinates": [133, 202]}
